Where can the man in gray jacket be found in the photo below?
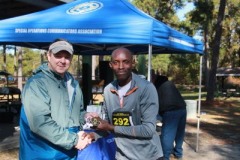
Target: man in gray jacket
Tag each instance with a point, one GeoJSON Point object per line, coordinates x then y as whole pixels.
{"type": "Point", "coordinates": [131, 107]}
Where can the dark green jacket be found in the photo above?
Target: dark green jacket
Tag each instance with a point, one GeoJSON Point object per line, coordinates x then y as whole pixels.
{"type": "Point", "coordinates": [51, 107]}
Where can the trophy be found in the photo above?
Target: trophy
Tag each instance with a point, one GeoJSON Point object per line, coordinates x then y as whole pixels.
{"type": "Point", "coordinates": [95, 121]}
{"type": "Point", "coordinates": [92, 122]}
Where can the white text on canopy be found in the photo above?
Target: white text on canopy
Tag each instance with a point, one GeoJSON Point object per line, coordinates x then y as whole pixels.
{"type": "Point", "coordinates": [58, 30]}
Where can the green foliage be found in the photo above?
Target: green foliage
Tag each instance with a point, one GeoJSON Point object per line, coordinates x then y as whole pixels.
{"type": "Point", "coordinates": [9, 62]}
{"type": "Point", "coordinates": [203, 13]}
{"type": "Point", "coordinates": [230, 42]}
{"type": "Point", "coordinates": [160, 63]}
{"type": "Point", "coordinates": [76, 67]}
{"type": "Point", "coordinates": [31, 60]}
{"type": "Point", "coordinates": [184, 68]}
{"type": "Point", "coordinates": [204, 17]}
{"type": "Point", "coordinates": [141, 64]}
{"type": "Point", "coordinates": [163, 10]}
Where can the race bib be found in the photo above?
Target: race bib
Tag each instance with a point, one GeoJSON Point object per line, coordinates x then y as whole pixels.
{"type": "Point", "coordinates": [122, 119]}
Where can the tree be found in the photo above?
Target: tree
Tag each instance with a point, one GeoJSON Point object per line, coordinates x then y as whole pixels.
{"type": "Point", "coordinates": [215, 51]}
{"type": "Point", "coordinates": [31, 60]}
{"type": "Point", "coordinates": [229, 53]}
{"type": "Point", "coordinates": [205, 18]}
{"type": "Point", "coordinates": [160, 63]}
{"type": "Point", "coordinates": [142, 64]}
{"type": "Point", "coordinates": [184, 68]}
{"type": "Point", "coordinates": [164, 10]}
{"type": "Point", "coordinates": [201, 19]}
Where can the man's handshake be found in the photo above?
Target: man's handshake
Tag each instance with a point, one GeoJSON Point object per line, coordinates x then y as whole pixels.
{"type": "Point", "coordinates": [84, 139]}
{"type": "Point", "coordinates": [93, 121]}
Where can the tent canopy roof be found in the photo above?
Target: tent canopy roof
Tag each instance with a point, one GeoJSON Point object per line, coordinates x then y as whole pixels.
{"type": "Point", "coordinates": [96, 27]}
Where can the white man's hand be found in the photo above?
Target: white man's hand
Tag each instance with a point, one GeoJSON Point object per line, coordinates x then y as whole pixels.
{"type": "Point", "coordinates": [84, 139]}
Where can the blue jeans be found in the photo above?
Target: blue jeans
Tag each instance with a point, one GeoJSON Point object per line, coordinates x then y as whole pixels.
{"type": "Point", "coordinates": [173, 130]}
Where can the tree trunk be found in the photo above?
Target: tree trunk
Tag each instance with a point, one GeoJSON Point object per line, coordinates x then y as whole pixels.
{"type": "Point", "coordinates": [15, 62]}
{"type": "Point", "coordinates": [4, 58]}
{"type": "Point", "coordinates": [205, 58]}
{"type": "Point", "coordinates": [215, 57]}
{"type": "Point", "coordinates": [20, 52]}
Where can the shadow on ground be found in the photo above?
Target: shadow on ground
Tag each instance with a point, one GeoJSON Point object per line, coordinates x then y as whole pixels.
{"type": "Point", "coordinates": [219, 130]}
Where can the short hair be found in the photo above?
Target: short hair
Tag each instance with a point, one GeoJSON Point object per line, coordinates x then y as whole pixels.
{"type": "Point", "coordinates": [122, 49]}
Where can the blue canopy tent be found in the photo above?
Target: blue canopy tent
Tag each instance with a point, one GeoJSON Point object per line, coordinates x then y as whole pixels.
{"type": "Point", "coordinates": [96, 28]}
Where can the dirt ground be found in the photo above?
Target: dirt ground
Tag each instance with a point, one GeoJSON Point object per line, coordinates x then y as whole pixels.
{"type": "Point", "coordinates": [219, 125]}
{"type": "Point", "coordinates": [9, 154]}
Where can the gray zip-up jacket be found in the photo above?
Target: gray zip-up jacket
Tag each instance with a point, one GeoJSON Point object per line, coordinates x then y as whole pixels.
{"type": "Point", "coordinates": [52, 105]}
{"type": "Point", "coordinates": [138, 139]}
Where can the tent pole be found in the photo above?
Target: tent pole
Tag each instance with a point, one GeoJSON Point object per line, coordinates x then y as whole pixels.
{"type": "Point", "coordinates": [199, 103]}
{"type": "Point", "coordinates": [149, 62]}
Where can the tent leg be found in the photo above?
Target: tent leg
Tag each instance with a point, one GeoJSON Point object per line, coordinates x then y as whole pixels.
{"type": "Point", "coordinates": [149, 62]}
{"type": "Point", "coordinates": [199, 104]}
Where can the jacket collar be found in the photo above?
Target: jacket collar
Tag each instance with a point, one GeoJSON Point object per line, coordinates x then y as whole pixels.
{"type": "Point", "coordinates": [132, 89]}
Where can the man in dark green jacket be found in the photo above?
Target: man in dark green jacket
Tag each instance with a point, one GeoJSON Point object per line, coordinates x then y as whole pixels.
{"type": "Point", "coordinates": [53, 113]}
